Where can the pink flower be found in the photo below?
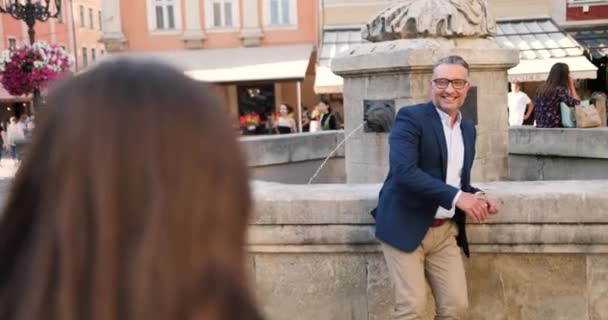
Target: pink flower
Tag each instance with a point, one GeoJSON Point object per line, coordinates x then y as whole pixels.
{"type": "Point", "coordinates": [26, 69]}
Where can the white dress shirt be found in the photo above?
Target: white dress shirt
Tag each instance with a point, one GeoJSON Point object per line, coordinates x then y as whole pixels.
{"type": "Point", "coordinates": [455, 144]}
{"type": "Point", "coordinates": [517, 102]}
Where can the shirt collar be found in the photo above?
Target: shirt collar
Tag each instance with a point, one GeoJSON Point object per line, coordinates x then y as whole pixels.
{"type": "Point", "coordinates": [445, 118]}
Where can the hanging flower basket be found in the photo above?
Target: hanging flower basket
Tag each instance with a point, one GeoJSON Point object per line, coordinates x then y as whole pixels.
{"type": "Point", "coordinates": [30, 68]}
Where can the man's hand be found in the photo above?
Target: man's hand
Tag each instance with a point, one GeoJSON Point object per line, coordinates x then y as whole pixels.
{"type": "Point", "coordinates": [475, 206]}
{"type": "Point", "coordinates": [491, 202]}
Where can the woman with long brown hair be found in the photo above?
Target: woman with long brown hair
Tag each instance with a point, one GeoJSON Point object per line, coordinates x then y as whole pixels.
{"type": "Point", "coordinates": [125, 207]}
{"type": "Point", "coordinates": [558, 88]}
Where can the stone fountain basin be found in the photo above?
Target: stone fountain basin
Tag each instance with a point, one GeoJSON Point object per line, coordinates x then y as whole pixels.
{"type": "Point", "coordinates": [545, 256]}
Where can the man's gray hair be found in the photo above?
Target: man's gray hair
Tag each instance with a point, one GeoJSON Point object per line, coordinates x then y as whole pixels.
{"type": "Point", "coordinates": [451, 60]}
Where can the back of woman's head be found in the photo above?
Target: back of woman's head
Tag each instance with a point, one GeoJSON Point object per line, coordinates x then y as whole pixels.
{"type": "Point", "coordinates": [131, 203]}
{"type": "Point", "coordinates": [558, 76]}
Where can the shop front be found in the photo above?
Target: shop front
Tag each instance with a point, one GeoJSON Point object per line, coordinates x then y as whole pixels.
{"type": "Point", "coordinates": [594, 38]}
{"type": "Point", "coordinates": [251, 81]}
{"type": "Point", "coordinates": [13, 106]}
{"type": "Point", "coordinates": [542, 44]}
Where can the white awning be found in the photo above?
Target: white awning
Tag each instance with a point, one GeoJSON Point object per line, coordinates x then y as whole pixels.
{"type": "Point", "coordinates": [327, 82]}
{"type": "Point", "coordinates": [538, 69]}
{"type": "Point", "coordinates": [336, 39]}
{"type": "Point", "coordinates": [542, 44]}
{"type": "Point", "coordinates": [288, 62]}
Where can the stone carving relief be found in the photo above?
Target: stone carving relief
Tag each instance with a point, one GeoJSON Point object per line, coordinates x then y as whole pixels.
{"type": "Point", "coordinates": [405, 19]}
{"type": "Point", "coordinates": [379, 115]}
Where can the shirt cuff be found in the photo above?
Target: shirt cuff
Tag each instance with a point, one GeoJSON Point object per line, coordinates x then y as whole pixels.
{"type": "Point", "coordinates": [456, 198]}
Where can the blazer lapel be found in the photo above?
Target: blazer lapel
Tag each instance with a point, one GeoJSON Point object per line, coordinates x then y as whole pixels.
{"type": "Point", "coordinates": [440, 136]}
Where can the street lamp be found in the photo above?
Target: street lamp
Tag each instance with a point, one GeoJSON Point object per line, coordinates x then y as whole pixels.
{"type": "Point", "coordinates": [31, 12]}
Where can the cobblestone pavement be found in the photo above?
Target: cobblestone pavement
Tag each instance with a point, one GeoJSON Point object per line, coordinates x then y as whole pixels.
{"type": "Point", "coordinates": [7, 172]}
{"type": "Point", "coordinates": [7, 168]}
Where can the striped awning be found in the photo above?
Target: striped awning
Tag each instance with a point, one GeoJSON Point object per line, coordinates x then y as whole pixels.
{"type": "Point", "coordinates": [542, 44]}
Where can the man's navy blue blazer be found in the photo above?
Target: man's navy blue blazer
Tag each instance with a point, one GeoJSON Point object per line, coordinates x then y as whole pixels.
{"type": "Point", "coordinates": [415, 186]}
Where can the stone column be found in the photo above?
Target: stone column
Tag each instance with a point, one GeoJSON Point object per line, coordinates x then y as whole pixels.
{"type": "Point", "coordinates": [112, 37]}
{"type": "Point", "coordinates": [401, 71]}
{"type": "Point", "coordinates": [251, 34]}
{"type": "Point", "coordinates": [194, 36]}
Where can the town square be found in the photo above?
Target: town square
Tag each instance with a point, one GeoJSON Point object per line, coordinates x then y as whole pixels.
{"type": "Point", "coordinates": [304, 159]}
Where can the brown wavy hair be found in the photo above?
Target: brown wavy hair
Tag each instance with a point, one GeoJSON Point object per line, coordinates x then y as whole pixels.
{"type": "Point", "coordinates": [131, 203]}
{"type": "Point", "coordinates": [558, 76]}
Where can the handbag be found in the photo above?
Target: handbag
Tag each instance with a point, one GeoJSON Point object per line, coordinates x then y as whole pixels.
{"type": "Point", "coordinates": [587, 116]}
{"type": "Point", "coordinates": [568, 118]}
{"type": "Point", "coordinates": [600, 105]}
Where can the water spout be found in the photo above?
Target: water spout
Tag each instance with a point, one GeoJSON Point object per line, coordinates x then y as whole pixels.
{"type": "Point", "coordinates": [334, 151]}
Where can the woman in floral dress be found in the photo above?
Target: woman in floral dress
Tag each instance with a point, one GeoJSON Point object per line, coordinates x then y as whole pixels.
{"type": "Point", "coordinates": [559, 87]}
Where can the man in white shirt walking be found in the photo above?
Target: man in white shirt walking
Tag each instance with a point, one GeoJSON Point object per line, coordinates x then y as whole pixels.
{"type": "Point", "coordinates": [518, 101]}
{"type": "Point", "coordinates": [16, 136]}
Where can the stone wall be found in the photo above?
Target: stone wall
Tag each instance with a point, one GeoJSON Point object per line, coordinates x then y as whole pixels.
{"type": "Point", "coordinates": [294, 158]}
{"type": "Point", "coordinates": [545, 256]}
{"type": "Point", "coordinates": [558, 154]}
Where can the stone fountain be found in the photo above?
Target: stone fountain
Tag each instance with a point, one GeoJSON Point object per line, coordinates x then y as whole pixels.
{"type": "Point", "coordinates": [405, 40]}
{"type": "Point", "coordinates": [312, 250]}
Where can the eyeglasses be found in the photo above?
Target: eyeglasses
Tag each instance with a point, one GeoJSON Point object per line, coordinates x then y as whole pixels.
{"type": "Point", "coordinates": [443, 83]}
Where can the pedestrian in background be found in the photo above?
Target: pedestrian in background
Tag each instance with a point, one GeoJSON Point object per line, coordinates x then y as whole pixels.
{"type": "Point", "coordinates": [284, 122]}
{"type": "Point", "coordinates": [306, 118]}
{"type": "Point", "coordinates": [520, 105]}
{"type": "Point", "coordinates": [16, 136]}
{"type": "Point", "coordinates": [558, 88]}
{"type": "Point", "coordinates": [3, 142]}
{"type": "Point", "coordinates": [327, 119]}
{"type": "Point", "coordinates": [135, 210]}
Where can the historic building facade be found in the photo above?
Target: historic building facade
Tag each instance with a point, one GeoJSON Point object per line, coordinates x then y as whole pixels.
{"type": "Point", "coordinates": [256, 53]}
{"type": "Point", "coordinates": [86, 32]}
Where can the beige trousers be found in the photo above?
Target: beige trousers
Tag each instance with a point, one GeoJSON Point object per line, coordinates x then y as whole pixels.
{"type": "Point", "coordinates": [437, 259]}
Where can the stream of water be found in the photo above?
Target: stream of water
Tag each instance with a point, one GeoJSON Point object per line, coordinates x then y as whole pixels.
{"type": "Point", "coordinates": [334, 151]}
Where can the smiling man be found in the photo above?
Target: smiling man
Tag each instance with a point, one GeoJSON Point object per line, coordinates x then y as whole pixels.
{"type": "Point", "coordinates": [427, 197]}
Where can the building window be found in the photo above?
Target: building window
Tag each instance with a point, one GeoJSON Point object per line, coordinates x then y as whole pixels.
{"type": "Point", "coordinates": [164, 15]}
{"type": "Point", "coordinates": [100, 18]}
{"type": "Point", "coordinates": [222, 14]}
{"type": "Point", "coordinates": [91, 22]}
{"type": "Point", "coordinates": [85, 58]}
{"type": "Point", "coordinates": [60, 17]}
{"type": "Point", "coordinates": [280, 12]}
{"type": "Point", "coordinates": [12, 43]}
{"type": "Point", "coordinates": [93, 55]}
{"type": "Point", "coordinates": [81, 9]}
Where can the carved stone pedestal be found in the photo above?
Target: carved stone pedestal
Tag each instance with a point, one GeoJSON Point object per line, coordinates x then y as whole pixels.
{"type": "Point", "coordinates": [407, 38]}
{"type": "Point", "coordinates": [401, 71]}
